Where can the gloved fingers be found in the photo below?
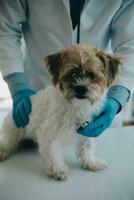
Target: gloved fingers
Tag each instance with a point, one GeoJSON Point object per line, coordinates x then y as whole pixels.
{"type": "Point", "coordinates": [22, 115]}
{"type": "Point", "coordinates": [25, 115]}
{"type": "Point", "coordinates": [92, 133]}
{"type": "Point", "coordinates": [100, 125]}
{"type": "Point", "coordinates": [24, 109]}
{"type": "Point", "coordinates": [23, 120]}
{"type": "Point", "coordinates": [16, 119]}
{"type": "Point", "coordinates": [97, 122]}
{"type": "Point", "coordinates": [19, 118]}
{"type": "Point", "coordinates": [27, 105]}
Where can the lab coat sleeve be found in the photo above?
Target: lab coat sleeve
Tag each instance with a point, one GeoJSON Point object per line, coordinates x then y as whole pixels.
{"type": "Point", "coordinates": [12, 16]}
{"type": "Point", "coordinates": [122, 42]}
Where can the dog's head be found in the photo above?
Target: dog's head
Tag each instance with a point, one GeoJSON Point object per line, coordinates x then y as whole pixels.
{"type": "Point", "coordinates": [82, 71]}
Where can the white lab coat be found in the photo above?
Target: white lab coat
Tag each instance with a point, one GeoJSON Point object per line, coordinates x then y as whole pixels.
{"type": "Point", "coordinates": [47, 27]}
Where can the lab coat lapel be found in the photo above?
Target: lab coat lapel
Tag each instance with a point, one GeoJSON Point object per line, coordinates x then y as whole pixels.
{"type": "Point", "coordinates": [85, 4]}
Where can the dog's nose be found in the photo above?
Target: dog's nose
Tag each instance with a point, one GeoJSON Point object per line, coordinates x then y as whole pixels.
{"type": "Point", "coordinates": [80, 91]}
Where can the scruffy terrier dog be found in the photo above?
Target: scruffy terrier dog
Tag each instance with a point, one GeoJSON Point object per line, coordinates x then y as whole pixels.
{"type": "Point", "coordinates": [81, 76]}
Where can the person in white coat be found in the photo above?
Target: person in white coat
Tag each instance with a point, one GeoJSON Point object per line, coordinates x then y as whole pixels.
{"type": "Point", "coordinates": [47, 26]}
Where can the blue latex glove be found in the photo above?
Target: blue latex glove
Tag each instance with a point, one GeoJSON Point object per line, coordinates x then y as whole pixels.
{"type": "Point", "coordinates": [102, 120]}
{"type": "Point", "coordinates": [22, 107]}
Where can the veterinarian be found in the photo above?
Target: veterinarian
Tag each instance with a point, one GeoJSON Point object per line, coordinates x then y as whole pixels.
{"type": "Point", "coordinates": [47, 26]}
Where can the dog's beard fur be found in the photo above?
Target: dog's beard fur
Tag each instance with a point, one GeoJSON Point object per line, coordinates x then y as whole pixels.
{"type": "Point", "coordinates": [81, 75]}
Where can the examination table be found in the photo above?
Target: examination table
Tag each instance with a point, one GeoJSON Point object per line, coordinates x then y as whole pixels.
{"type": "Point", "coordinates": [22, 176]}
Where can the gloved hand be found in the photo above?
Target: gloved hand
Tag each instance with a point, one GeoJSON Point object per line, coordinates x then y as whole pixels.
{"type": "Point", "coordinates": [22, 107]}
{"type": "Point", "coordinates": [102, 120]}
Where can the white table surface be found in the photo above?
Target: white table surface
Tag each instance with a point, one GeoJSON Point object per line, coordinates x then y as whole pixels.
{"type": "Point", "coordinates": [22, 176]}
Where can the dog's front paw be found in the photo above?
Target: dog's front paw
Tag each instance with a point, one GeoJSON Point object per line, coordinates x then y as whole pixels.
{"type": "Point", "coordinates": [4, 153]}
{"type": "Point", "coordinates": [59, 174]}
{"type": "Point", "coordinates": [94, 165]}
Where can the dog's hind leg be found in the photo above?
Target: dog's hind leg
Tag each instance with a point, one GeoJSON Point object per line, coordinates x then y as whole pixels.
{"type": "Point", "coordinates": [10, 136]}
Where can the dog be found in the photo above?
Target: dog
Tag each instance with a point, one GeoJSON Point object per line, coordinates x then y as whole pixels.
{"type": "Point", "coordinates": [81, 76]}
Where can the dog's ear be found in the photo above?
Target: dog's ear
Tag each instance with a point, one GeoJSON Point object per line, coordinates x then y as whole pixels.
{"type": "Point", "coordinates": [112, 65]}
{"type": "Point", "coordinates": [53, 65]}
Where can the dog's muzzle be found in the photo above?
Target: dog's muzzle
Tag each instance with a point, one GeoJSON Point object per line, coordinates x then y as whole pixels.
{"type": "Point", "coordinates": [80, 91]}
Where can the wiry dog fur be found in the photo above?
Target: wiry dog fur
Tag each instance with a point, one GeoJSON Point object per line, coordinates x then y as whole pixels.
{"type": "Point", "coordinates": [81, 76]}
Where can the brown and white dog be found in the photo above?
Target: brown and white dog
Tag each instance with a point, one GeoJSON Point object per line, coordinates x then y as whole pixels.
{"type": "Point", "coordinates": [81, 76]}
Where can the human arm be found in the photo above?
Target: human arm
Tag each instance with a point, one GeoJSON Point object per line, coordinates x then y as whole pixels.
{"type": "Point", "coordinates": [122, 43]}
{"type": "Point", "coordinates": [13, 15]}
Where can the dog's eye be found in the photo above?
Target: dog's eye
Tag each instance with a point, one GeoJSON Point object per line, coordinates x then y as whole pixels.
{"type": "Point", "coordinates": [73, 75]}
{"type": "Point", "coordinates": [91, 75]}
